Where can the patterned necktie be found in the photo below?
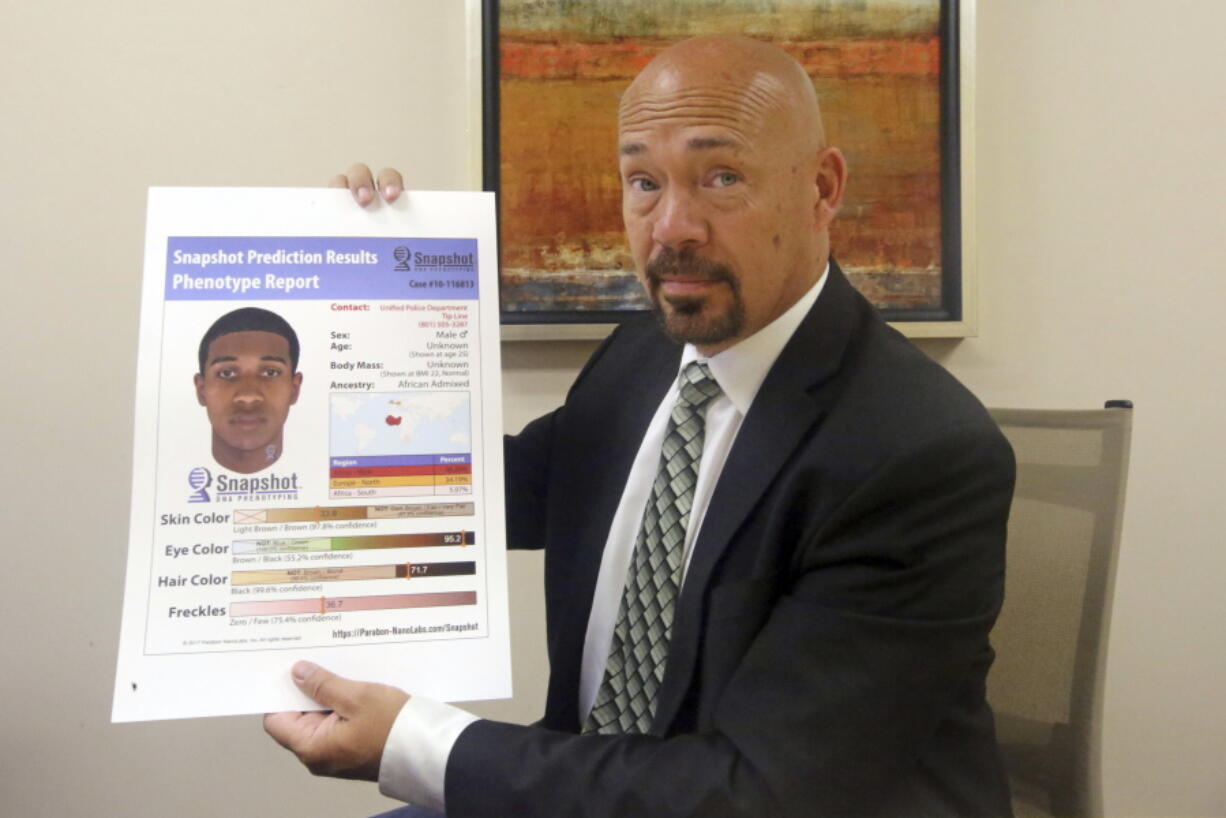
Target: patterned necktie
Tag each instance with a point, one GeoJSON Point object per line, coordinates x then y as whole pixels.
{"type": "Point", "coordinates": [626, 701]}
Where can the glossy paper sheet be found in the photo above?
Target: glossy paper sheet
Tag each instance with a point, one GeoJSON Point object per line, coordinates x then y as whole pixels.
{"type": "Point", "coordinates": [318, 463]}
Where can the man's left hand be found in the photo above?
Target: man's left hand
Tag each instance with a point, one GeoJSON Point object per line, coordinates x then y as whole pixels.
{"type": "Point", "coordinates": [346, 742]}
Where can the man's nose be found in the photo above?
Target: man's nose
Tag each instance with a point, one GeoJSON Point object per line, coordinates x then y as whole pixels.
{"type": "Point", "coordinates": [680, 222]}
{"type": "Point", "coordinates": [248, 393]}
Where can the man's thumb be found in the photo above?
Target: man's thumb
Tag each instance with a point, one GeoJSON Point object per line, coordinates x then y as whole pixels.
{"type": "Point", "coordinates": [321, 685]}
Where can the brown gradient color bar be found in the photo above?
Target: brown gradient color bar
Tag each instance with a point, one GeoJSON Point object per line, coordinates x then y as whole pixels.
{"type": "Point", "coordinates": [318, 514]}
{"type": "Point", "coordinates": [343, 573]}
{"type": "Point", "coordinates": [343, 604]}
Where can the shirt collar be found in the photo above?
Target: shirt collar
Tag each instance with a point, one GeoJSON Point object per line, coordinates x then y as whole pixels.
{"type": "Point", "coordinates": [740, 369]}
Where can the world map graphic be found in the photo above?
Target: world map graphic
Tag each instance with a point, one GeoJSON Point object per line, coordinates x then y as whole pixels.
{"type": "Point", "coordinates": [400, 423]}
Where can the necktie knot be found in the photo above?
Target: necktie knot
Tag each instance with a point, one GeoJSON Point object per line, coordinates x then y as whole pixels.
{"type": "Point", "coordinates": [698, 386]}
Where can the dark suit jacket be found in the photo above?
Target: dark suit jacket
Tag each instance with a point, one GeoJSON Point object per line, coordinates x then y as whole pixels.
{"type": "Point", "coordinates": [830, 644]}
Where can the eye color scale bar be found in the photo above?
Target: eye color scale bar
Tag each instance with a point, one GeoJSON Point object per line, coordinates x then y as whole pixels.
{"type": "Point", "coordinates": [315, 544]}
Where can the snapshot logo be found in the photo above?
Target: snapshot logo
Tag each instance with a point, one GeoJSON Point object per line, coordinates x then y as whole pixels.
{"type": "Point", "coordinates": [229, 488]}
{"type": "Point", "coordinates": [199, 479]}
{"type": "Point", "coordinates": [409, 260]}
{"type": "Point", "coordinates": [402, 255]}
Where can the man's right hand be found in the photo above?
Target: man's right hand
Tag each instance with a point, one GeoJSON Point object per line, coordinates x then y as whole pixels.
{"type": "Point", "coordinates": [365, 189]}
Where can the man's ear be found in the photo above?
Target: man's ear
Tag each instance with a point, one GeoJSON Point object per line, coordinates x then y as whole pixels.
{"type": "Point", "coordinates": [297, 382]}
{"type": "Point", "coordinates": [831, 184]}
{"type": "Point", "coordinates": [199, 379]}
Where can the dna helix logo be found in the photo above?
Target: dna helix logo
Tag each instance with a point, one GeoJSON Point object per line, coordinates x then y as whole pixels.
{"type": "Point", "coordinates": [199, 479]}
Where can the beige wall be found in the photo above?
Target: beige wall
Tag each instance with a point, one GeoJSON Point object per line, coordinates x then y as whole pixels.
{"type": "Point", "coordinates": [1102, 215]}
{"type": "Point", "coordinates": [1101, 209]}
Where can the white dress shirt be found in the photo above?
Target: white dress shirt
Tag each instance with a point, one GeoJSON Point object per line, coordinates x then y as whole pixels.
{"type": "Point", "coordinates": [414, 762]}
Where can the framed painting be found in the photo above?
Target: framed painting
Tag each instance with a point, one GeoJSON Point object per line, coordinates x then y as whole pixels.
{"type": "Point", "coordinates": [892, 76]}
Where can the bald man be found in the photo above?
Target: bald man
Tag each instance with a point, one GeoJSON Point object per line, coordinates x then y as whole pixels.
{"type": "Point", "coordinates": [817, 641]}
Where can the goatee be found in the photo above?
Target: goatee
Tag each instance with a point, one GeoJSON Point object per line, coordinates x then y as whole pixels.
{"type": "Point", "coordinates": [692, 319]}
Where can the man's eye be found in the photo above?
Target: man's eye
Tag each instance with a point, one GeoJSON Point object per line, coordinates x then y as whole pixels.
{"type": "Point", "coordinates": [227, 374]}
{"type": "Point", "coordinates": [726, 179]}
{"type": "Point", "coordinates": [271, 372]}
{"type": "Point", "coordinates": [643, 185]}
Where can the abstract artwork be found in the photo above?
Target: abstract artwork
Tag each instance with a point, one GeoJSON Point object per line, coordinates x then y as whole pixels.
{"type": "Point", "coordinates": [886, 74]}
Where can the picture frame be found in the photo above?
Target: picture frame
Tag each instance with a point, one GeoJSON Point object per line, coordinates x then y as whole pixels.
{"type": "Point", "coordinates": [530, 77]}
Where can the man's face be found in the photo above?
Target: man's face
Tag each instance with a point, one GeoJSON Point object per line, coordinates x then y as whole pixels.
{"type": "Point", "coordinates": [248, 387]}
{"type": "Point", "coordinates": [719, 200]}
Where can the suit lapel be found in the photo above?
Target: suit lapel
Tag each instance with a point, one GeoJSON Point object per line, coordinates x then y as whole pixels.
{"type": "Point", "coordinates": [633, 382]}
{"type": "Point", "coordinates": [644, 383]}
{"type": "Point", "coordinates": [786, 407]}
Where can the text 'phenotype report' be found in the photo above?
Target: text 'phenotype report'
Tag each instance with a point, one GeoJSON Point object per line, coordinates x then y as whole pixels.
{"type": "Point", "coordinates": [317, 469]}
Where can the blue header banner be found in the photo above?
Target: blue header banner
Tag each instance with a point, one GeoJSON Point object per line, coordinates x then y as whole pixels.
{"type": "Point", "coordinates": [261, 268]}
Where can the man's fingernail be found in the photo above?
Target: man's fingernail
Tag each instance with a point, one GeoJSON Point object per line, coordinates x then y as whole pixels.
{"type": "Point", "coordinates": [364, 195]}
{"type": "Point", "coordinates": [391, 192]}
{"type": "Point", "coordinates": [302, 670]}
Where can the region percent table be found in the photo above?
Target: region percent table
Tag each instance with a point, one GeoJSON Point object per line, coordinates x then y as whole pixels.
{"type": "Point", "coordinates": [407, 475]}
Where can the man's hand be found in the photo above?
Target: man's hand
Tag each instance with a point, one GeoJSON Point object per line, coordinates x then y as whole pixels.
{"type": "Point", "coordinates": [346, 742]}
{"type": "Point", "coordinates": [363, 186]}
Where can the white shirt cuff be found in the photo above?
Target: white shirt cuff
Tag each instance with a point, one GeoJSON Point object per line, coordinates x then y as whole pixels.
{"type": "Point", "coordinates": [414, 765]}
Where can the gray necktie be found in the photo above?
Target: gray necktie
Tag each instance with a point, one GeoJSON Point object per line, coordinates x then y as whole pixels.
{"type": "Point", "coordinates": [626, 701]}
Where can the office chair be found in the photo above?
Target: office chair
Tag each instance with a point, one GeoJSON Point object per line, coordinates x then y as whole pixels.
{"type": "Point", "coordinates": [1064, 532]}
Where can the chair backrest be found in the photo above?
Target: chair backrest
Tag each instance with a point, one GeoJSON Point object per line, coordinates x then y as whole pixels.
{"type": "Point", "coordinates": [1051, 637]}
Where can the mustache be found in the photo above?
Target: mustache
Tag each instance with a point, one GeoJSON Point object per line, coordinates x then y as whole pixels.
{"type": "Point", "coordinates": [684, 263]}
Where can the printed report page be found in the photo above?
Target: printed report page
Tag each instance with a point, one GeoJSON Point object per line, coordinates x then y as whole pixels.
{"type": "Point", "coordinates": [317, 454]}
